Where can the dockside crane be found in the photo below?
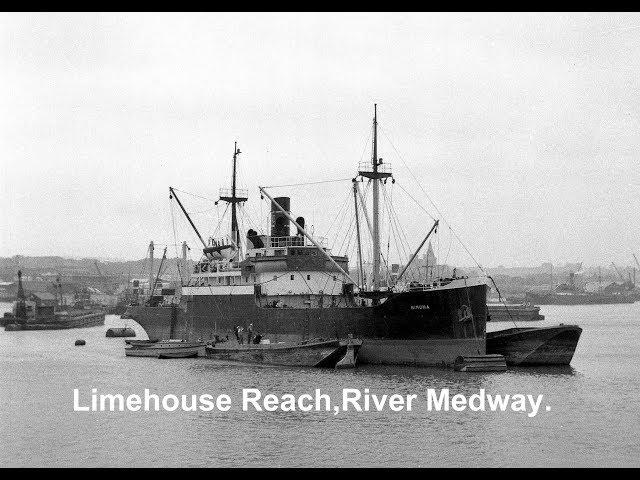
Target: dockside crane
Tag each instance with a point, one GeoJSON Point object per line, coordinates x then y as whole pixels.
{"type": "Point", "coordinates": [629, 284]}
{"type": "Point", "coordinates": [105, 283]}
{"type": "Point", "coordinates": [634, 270]}
{"type": "Point", "coordinates": [618, 272]}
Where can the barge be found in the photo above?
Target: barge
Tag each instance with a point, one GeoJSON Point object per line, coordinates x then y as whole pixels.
{"type": "Point", "coordinates": [535, 346]}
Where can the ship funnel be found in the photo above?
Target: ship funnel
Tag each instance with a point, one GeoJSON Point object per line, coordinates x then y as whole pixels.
{"type": "Point", "coordinates": [279, 221]}
{"type": "Point", "coordinates": [300, 221]}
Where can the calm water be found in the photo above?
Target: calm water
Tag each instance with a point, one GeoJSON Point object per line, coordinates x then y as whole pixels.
{"type": "Point", "coordinates": [594, 418]}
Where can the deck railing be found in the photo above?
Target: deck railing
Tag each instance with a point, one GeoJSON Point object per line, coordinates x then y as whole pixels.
{"type": "Point", "coordinates": [295, 241]}
{"type": "Point", "coordinates": [228, 193]}
{"type": "Point", "coordinates": [366, 166]}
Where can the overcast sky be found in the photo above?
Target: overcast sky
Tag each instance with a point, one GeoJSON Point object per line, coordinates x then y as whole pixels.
{"type": "Point", "coordinates": [523, 128]}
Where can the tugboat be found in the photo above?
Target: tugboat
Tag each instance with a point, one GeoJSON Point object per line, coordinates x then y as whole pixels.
{"type": "Point", "coordinates": [292, 288]}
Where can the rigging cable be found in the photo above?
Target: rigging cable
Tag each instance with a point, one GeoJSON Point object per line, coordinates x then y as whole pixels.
{"type": "Point", "coordinates": [195, 195]}
{"type": "Point", "coordinates": [220, 221]}
{"type": "Point", "coordinates": [338, 215]}
{"type": "Point", "coordinates": [434, 205]}
{"type": "Point", "coordinates": [504, 302]}
{"type": "Point", "coordinates": [394, 222]}
{"type": "Point", "coordinates": [310, 183]}
{"type": "Point", "coordinates": [348, 236]}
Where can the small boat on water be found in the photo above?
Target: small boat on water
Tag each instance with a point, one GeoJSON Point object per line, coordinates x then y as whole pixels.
{"type": "Point", "coordinates": [172, 348]}
{"type": "Point", "coordinates": [501, 312]}
{"type": "Point", "coordinates": [535, 345]}
{"type": "Point", "coordinates": [141, 342]}
{"type": "Point", "coordinates": [335, 353]}
{"type": "Point", "coordinates": [480, 363]}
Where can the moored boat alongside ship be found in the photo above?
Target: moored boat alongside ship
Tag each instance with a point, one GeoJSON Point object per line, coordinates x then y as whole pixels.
{"type": "Point", "coordinates": [535, 346]}
{"type": "Point", "coordinates": [165, 349]}
{"type": "Point", "coordinates": [319, 353]}
{"type": "Point", "coordinates": [501, 312]}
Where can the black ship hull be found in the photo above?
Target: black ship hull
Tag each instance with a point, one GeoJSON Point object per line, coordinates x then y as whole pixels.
{"type": "Point", "coordinates": [424, 327]}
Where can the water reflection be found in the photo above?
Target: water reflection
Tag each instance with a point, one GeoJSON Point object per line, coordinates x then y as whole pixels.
{"type": "Point", "coordinates": [545, 371]}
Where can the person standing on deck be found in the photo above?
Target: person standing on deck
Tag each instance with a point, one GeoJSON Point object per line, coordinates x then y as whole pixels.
{"type": "Point", "coordinates": [250, 333]}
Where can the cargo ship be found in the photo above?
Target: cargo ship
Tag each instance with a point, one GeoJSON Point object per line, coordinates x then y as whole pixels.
{"type": "Point", "coordinates": [42, 312]}
{"type": "Point", "coordinates": [289, 287]}
{"type": "Point", "coordinates": [571, 294]}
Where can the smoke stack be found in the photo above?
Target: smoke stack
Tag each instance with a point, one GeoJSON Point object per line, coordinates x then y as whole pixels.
{"type": "Point", "coordinates": [279, 221]}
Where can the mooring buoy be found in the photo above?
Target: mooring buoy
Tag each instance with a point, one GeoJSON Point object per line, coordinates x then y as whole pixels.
{"type": "Point", "coordinates": [120, 332]}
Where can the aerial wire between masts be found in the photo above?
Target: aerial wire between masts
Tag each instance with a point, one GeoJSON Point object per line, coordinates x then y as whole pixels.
{"type": "Point", "coordinates": [310, 183]}
{"type": "Point", "coordinates": [195, 195]}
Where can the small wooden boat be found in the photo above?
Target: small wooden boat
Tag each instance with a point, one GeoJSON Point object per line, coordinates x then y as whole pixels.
{"type": "Point", "coordinates": [535, 345]}
{"type": "Point", "coordinates": [164, 348]}
{"type": "Point", "coordinates": [499, 312]}
{"type": "Point", "coordinates": [480, 363]}
{"type": "Point", "coordinates": [335, 353]}
{"type": "Point", "coordinates": [141, 342]}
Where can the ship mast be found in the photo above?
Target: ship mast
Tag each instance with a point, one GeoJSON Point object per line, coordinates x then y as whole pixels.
{"type": "Point", "coordinates": [150, 266]}
{"type": "Point", "coordinates": [232, 198]}
{"type": "Point", "coordinates": [376, 206]}
{"type": "Point", "coordinates": [355, 203]}
{"type": "Point", "coordinates": [234, 217]}
{"type": "Point", "coordinates": [21, 307]}
{"type": "Point", "coordinates": [376, 174]}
